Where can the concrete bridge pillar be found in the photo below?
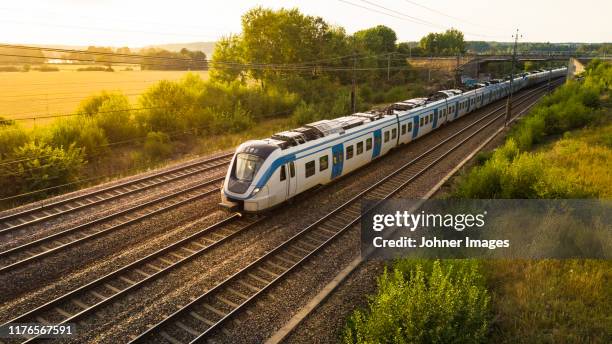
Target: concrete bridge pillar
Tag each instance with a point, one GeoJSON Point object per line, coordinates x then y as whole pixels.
{"type": "Point", "coordinates": [574, 66]}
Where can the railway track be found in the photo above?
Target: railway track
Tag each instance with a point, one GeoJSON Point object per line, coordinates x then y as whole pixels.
{"type": "Point", "coordinates": [206, 314]}
{"type": "Point", "coordinates": [18, 256]}
{"type": "Point", "coordinates": [109, 288]}
{"type": "Point", "coordinates": [47, 211]}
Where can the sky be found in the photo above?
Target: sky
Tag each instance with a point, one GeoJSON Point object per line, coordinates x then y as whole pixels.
{"type": "Point", "coordinates": [137, 23]}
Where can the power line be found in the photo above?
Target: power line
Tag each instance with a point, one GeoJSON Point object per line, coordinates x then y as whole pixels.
{"type": "Point", "coordinates": [402, 16]}
{"type": "Point", "coordinates": [447, 15]}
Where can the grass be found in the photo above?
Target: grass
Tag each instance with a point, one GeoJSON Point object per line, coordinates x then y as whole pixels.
{"type": "Point", "coordinates": [550, 301]}
{"type": "Point", "coordinates": [33, 94]}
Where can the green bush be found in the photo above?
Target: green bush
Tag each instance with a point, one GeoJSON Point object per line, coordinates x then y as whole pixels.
{"type": "Point", "coordinates": [157, 146]}
{"type": "Point", "coordinates": [446, 302]}
{"type": "Point", "coordinates": [168, 107]}
{"type": "Point", "coordinates": [79, 131]}
{"type": "Point", "coordinates": [11, 137]}
{"type": "Point", "coordinates": [304, 113]}
{"type": "Point", "coordinates": [109, 112]}
{"type": "Point", "coordinates": [40, 166]}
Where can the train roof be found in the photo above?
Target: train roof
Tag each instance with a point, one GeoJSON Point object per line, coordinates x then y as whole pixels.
{"type": "Point", "coordinates": [322, 128]}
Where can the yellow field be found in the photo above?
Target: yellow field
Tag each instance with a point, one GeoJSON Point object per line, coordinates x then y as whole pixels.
{"type": "Point", "coordinates": [34, 93]}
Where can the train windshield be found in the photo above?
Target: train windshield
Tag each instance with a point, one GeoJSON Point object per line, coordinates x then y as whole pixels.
{"type": "Point", "coordinates": [247, 166]}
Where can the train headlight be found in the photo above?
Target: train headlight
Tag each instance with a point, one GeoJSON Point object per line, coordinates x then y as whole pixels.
{"type": "Point", "coordinates": [255, 191]}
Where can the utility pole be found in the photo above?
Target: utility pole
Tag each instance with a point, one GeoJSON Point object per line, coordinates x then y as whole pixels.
{"type": "Point", "coordinates": [388, 66]}
{"type": "Point", "coordinates": [354, 86]}
{"type": "Point", "coordinates": [549, 68]}
{"type": "Point", "coordinates": [429, 69]}
{"type": "Point", "coordinates": [509, 101]}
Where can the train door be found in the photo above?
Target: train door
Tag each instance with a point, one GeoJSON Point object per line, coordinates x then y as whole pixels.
{"type": "Point", "coordinates": [456, 112]}
{"type": "Point", "coordinates": [377, 143]}
{"type": "Point", "coordinates": [288, 172]}
{"type": "Point", "coordinates": [435, 119]}
{"type": "Point", "coordinates": [415, 127]}
{"type": "Point", "coordinates": [337, 160]}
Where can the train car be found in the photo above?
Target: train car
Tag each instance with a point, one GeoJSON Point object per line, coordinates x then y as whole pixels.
{"type": "Point", "coordinates": [266, 173]}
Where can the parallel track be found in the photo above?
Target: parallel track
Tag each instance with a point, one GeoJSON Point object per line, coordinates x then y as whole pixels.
{"type": "Point", "coordinates": [48, 211]}
{"type": "Point", "coordinates": [109, 288]}
{"type": "Point", "coordinates": [207, 313]}
{"type": "Point", "coordinates": [40, 248]}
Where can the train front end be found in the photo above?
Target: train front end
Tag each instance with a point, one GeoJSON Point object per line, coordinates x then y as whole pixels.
{"type": "Point", "coordinates": [244, 188]}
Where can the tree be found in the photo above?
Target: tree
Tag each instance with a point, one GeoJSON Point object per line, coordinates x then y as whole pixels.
{"type": "Point", "coordinates": [450, 42]}
{"type": "Point", "coordinates": [379, 39]}
{"type": "Point", "coordinates": [226, 60]}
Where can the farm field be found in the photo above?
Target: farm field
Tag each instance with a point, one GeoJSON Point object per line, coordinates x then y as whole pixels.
{"type": "Point", "coordinates": [34, 94]}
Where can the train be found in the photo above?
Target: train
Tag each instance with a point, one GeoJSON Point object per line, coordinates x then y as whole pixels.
{"type": "Point", "coordinates": [266, 173]}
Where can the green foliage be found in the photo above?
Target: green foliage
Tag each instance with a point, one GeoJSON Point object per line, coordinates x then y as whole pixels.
{"type": "Point", "coordinates": [304, 113]}
{"type": "Point", "coordinates": [378, 39]}
{"type": "Point", "coordinates": [11, 137]}
{"type": "Point", "coordinates": [443, 302]}
{"type": "Point", "coordinates": [228, 50]}
{"type": "Point", "coordinates": [157, 146]}
{"type": "Point", "coordinates": [81, 132]}
{"type": "Point", "coordinates": [450, 42]}
{"type": "Point", "coordinates": [566, 170]}
{"type": "Point", "coordinates": [111, 112]}
{"type": "Point", "coordinates": [168, 106]}
{"type": "Point", "coordinates": [40, 166]}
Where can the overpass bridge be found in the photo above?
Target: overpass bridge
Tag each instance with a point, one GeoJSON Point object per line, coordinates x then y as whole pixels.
{"type": "Point", "coordinates": [476, 65]}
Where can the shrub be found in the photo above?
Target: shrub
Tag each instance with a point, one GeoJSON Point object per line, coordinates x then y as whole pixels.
{"type": "Point", "coordinates": [447, 304]}
{"type": "Point", "coordinates": [232, 121]}
{"type": "Point", "coordinates": [168, 107]}
{"type": "Point", "coordinates": [304, 113]}
{"type": "Point", "coordinates": [11, 137]}
{"type": "Point", "coordinates": [40, 166]}
{"type": "Point", "coordinates": [157, 146]}
{"type": "Point", "coordinates": [109, 112]}
{"type": "Point", "coordinates": [80, 131]}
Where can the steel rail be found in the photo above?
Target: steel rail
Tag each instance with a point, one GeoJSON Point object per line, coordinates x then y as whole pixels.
{"type": "Point", "coordinates": [121, 281]}
{"type": "Point", "coordinates": [225, 299]}
{"type": "Point", "coordinates": [74, 231]}
{"type": "Point", "coordinates": [53, 209]}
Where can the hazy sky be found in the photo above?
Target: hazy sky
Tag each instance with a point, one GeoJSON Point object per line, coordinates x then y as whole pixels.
{"type": "Point", "coordinates": [139, 22]}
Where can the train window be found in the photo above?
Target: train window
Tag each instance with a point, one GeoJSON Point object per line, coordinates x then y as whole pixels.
{"type": "Point", "coordinates": [422, 121]}
{"type": "Point", "coordinates": [349, 152]}
{"type": "Point", "coordinates": [426, 120]}
{"type": "Point", "coordinates": [359, 148]}
{"type": "Point", "coordinates": [403, 129]}
{"type": "Point", "coordinates": [283, 173]}
{"type": "Point", "coordinates": [431, 117]}
{"type": "Point", "coordinates": [409, 127]}
{"type": "Point", "coordinates": [386, 136]}
{"type": "Point", "coordinates": [292, 169]}
{"type": "Point", "coordinates": [394, 133]}
{"type": "Point", "coordinates": [369, 144]}
{"type": "Point", "coordinates": [323, 163]}
{"type": "Point", "coordinates": [310, 168]}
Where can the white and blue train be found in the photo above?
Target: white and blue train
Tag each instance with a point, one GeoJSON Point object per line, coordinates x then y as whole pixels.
{"type": "Point", "coordinates": [265, 173]}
